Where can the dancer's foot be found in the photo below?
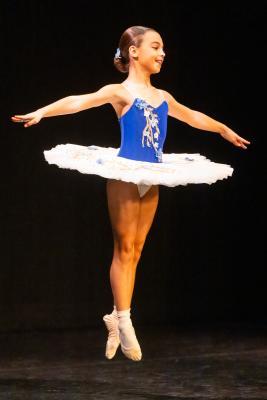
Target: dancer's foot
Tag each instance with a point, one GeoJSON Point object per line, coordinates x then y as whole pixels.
{"type": "Point", "coordinates": [113, 342]}
{"type": "Point", "coordinates": [129, 343]}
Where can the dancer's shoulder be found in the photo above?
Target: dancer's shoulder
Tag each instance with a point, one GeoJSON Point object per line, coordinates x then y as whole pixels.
{"type": "Point", "coordinates": [167, 95]}
{"type": "Point", "coordinates": [113, 90]}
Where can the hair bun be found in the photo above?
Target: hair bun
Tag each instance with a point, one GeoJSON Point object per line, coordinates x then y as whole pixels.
{"type": "Point", "coordinates": [120, 64]}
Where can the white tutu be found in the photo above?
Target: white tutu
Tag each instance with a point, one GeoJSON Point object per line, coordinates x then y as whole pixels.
{"type": "Point", "coordinates": [175, 169]}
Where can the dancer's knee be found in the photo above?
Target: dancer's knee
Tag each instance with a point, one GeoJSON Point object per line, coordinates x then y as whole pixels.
{"type": "Point", "coordinates": [138, 247]}
{"type": "Point", "coordinates": [124, 252]}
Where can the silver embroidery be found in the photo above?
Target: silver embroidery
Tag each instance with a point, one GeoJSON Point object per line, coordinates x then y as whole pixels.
{"type": "Point", "coordinates": [151, 131]}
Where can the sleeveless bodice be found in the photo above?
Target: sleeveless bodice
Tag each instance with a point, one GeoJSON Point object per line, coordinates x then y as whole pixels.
{"type": "Point", "coordinates": [143, 130]}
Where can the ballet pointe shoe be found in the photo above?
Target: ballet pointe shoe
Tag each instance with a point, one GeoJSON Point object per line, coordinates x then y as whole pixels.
{"type": "Point", "coordinates": [132, 352]}
{"type": "Point", "coordinates": [113, 341]}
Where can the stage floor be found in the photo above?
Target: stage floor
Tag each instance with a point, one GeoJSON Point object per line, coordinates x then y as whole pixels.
{"type": "Point", "coordinates": [223, 361]}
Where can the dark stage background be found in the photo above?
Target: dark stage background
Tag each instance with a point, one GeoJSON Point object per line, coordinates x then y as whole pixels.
{"type": "Point", "coordinates": [204, 257]}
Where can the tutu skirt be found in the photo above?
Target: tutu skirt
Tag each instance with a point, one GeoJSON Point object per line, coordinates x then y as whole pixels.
{"type": "Point", "coordinates": [175, 169]}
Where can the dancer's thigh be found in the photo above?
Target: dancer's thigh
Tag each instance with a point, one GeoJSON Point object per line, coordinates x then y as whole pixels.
{"type": "Point", "coordinates": [148, 207]}
{"type": "Point", "coordinates": [124, 207]}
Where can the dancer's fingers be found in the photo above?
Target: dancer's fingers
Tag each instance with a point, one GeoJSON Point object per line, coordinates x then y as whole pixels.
{"type": "Point", "coordinates": [20, 118]}
{"type": "Point", "coordinates": [244, 140]}
{"type": "Point", "coordinates": [240, 144]}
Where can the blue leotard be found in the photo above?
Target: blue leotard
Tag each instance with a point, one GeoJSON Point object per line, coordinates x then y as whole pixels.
{"type": "Point", "coordinates": [143, 130]}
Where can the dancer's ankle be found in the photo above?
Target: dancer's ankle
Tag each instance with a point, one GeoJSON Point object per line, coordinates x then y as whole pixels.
{"type": "Point", "coordinates": [114, 312]}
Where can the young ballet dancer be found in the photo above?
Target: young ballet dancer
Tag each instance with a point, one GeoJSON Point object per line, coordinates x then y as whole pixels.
{"type": "Point", "coordinates": [135, 170]}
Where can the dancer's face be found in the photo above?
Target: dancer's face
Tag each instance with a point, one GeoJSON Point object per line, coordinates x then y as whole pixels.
{"type": "Point", "coordinates": [150, 55]}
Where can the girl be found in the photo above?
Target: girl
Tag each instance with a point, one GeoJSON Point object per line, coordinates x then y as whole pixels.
{"type": "Point", "coordinates": [135, 170]}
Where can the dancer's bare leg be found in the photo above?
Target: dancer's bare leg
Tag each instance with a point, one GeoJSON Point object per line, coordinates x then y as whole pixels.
{"type": "Point", "coordinates": [131, 219]}
{"type": "Point", "coordinates": [124, 208]}
{"type": "Point", "coordinates": [148, 207]}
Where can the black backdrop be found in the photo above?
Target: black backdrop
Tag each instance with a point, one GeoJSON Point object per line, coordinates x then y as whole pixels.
{"type": "Point", "coordinates": [203, 260]}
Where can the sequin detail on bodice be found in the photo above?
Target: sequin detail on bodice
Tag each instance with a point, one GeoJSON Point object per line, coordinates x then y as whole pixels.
{"type": "Point", "coordinates": [143, 131]}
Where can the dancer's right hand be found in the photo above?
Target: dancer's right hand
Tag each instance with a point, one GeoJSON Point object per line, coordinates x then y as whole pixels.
{"type": "Point", "coordinates": [30, 119]}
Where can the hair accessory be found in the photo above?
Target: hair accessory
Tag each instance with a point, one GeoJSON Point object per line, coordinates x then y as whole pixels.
{"type": "Point", "coordinates": [118, 53]}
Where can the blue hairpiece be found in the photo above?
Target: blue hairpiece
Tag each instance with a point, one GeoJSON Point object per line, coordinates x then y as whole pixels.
{"type": "Point", "coordinates": [118, 53]}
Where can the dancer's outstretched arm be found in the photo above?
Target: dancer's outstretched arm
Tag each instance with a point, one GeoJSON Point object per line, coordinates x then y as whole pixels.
{"type": "Point", "coordinates": [70, 105]}
{"type": "Point", "coordinates": [202, 121]}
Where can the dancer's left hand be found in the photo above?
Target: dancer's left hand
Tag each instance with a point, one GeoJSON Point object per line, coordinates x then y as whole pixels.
{"type": "Point", "coordinates": [232, 137]}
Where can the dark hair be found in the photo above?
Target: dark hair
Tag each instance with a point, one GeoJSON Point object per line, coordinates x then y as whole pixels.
{"type": "Point", "coordinates": [131, 36]}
